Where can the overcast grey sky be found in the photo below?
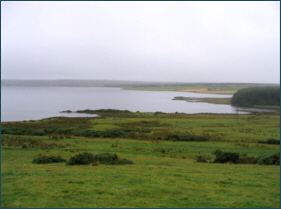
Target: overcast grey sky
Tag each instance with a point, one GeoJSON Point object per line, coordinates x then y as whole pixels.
{"type": "Point", "coordinates": [143, 41]}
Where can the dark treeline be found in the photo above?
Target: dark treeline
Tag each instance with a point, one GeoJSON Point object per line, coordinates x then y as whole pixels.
{"type": "Point", "coordinates": [257, 96]}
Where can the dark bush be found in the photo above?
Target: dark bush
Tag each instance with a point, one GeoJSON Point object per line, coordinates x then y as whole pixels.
{"type": "Point", "coordinates": [102, 158]}
{"type": "Point", "coordinates": [269, 160]}
{"type": "Point", "coordinates": [81, 159]}
{"type": "Point", "coordinates": [190, 138]}
{"type": "Point", "coordinates": [106, 158]}
{"type": "Point", "coordinates": [24, 146]}
{"type": "Point", "coordinates": [247, 160]}
{"type": "Point", "coordinates": [224, 157]}
{"type": "Point", "coordinates": [270, 141]}
{"type": "Point", "coordinates": [111, 159]}
{"type": "Point", "coordinates": [48, 159]}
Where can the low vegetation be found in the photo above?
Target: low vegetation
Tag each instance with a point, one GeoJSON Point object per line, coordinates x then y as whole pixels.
{"type": "Point", "coordinates": [43, 159]}
{"type": "Point", "coordinates": [270, 141]}
{"type": "Point", "coordinates": [225, 157]}
{"type": "Point", "coordinates": [187, 138]}
{"type": "Point", "coordinates": [232, 157]}
{"type": "Point", "coordinates": [102, 158]}
{"type": "Point", "coordinates": [142, 160]}
{"type": "Point", "coordinates": [81, 159]}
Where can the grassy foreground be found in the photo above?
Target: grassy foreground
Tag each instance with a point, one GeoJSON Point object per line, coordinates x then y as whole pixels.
{"type": "Point", "coordinates": [164, 173]}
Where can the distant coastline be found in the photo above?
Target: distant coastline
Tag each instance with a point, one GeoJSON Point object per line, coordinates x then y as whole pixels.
{"type": "Point", "coordinates": [130, 85]}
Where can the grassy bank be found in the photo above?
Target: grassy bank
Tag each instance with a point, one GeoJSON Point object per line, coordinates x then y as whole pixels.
{"type": "Point", "coordinates": [164, 174]}
{"type": "Point", "coordinates": [196, 89]}
{"type": "Point", "coordinates": [211, 88]}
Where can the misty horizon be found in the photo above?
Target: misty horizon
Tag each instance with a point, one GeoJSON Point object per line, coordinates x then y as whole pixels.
{"type": "Point", "coordinates": [182, 42]}
{"type": "Point", "coordinates": [149, 81]}
{"type": "Point", "coordinates": [114, 83]}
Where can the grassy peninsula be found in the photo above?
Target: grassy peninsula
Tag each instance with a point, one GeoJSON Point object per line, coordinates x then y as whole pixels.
{"type": "Point", "coordinates": [174, 160]}
{"type": "Point", "coordinates": [205, 88]}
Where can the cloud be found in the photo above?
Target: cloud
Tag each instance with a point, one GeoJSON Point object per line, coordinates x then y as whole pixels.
{"type": "Point", "coordinates": [150, 41]}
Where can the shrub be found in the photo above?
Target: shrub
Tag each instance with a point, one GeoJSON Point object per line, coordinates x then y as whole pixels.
{"type": "Point", "coordinates": [187, 138]}
{"type": "Point", "coordinates": [247, 160]}
{"type": "Point", "coordinates": [24, 146]}
{"type": "Point", "coordinates": [111, 159]}
{"type": "Point", "coordinates": [45, 159]}
{"type": "Point", "coordinates": [269, 160]}
{"type": "Point", "coordinates": [81, 159]}
{"type": "Point", "coordinates": [106, 158]}
{"type": "Point", "coordinates": [201, 159]}
{"type": "Point", "coordinates": [270, 141]}
{"type": "Point", "coordinates": [101, 158]}
{"type": "Point", "coordinates": [224, 157]}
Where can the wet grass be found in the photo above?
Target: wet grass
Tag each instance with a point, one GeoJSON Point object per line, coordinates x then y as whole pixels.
{"type": "Point", "coordinates": [164, 173]}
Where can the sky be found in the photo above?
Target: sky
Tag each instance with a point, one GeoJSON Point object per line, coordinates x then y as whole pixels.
{"type": "Point", "coordinates": [183, 41]}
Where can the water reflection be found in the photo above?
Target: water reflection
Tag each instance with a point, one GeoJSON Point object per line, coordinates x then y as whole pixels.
{"type": "Point", "coordinates": [33, 103]}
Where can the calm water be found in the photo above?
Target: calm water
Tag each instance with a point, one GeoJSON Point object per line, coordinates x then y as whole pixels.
{"type": "Point", "coordinates": [32, 103]}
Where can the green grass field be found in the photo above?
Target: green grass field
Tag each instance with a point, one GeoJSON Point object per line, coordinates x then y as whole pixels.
{"type": "Point", "coordinates": [165, 174]}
